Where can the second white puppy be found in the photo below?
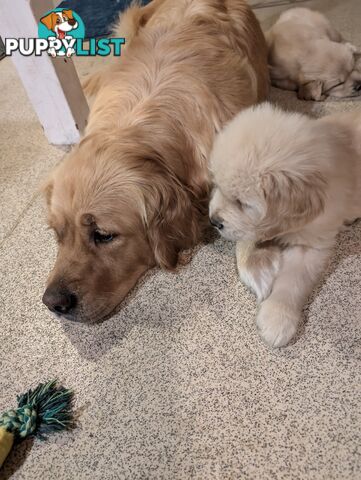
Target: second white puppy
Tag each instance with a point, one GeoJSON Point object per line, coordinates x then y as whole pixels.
{"type": "Point", "coordinates": [285, 183]}
{"type": "Point", "coordinates": [306, 53]}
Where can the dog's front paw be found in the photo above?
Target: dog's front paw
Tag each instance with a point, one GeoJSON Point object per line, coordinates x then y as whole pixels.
{"type": "Point", "coordinates": [258, 268]}
{"type": "Point", "coordinates": [277, 323]}
{"type": "Point", "coordinates": [70, 52]}
{"type": "Point", "coordinates": [52, 52]}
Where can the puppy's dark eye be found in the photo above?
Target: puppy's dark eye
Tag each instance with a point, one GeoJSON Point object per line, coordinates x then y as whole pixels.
{"type": "Point", "coordinates": [58, 21]}
{"type": "Point", "coordinates": [100, 237]}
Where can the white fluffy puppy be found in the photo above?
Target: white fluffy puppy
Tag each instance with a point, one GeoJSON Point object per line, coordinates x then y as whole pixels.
{"type": "Point", "coordinates": [307, 54]}
{"type": "Point", "coordinates": [285, 184]}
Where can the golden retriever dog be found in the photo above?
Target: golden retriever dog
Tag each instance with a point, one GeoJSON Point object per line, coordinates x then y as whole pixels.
{"type": "Point", "coordinates": [134, 192]}
{"type": "Point", "coordinates": [307, 54]}
{"type": "Point", "coordinates": [285, 185]}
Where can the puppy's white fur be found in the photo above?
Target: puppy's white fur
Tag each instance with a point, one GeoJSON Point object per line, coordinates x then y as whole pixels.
{"type": "Point", "coordinates": [286, 184]}
{"type": "Point", "coordinates": [306, 53]}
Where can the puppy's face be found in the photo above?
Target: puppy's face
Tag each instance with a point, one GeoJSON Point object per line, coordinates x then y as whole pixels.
{"type": "Point", "coordinates": [236, 209]}
{"type": "Point", "coordinates": [60, 22]}
{"type": "Point", "coordinates": [348, 87]}
{"type": "Point", "coordinates": [266, 181]}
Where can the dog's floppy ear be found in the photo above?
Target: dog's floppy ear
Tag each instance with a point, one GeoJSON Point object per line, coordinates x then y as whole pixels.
{"type": "Point", "coordinates": [47, 190]}
{"type": "Point", "coordinates": [292, 199]}
{"type": "Point", "coordinates": [49, 20]}
{"type": "Point", "coordinates": [174, 223]}
{"type": "Point", "coordinates": [68, 13]}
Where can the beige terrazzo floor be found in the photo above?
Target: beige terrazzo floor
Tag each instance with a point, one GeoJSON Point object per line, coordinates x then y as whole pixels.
{"type": "Point", "coordinates": [181, 387]}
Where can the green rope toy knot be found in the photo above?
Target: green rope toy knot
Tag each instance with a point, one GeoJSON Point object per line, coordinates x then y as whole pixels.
{"type": "Point", "coordinates": [46, 409]}
{"type": "Point", "coordinates": [21, 422]}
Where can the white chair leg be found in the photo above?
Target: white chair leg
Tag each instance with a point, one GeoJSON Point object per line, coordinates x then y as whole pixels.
{"type": "Point", "coordinates": [52, 84]}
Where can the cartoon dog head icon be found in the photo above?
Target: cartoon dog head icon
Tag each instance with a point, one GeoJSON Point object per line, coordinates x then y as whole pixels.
{"type": "Point", "coordinates": [61, 23]}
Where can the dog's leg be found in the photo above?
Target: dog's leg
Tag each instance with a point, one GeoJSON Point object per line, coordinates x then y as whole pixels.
{"type": "Point", "coordinates": [280, 314]}
{"type": "Point", "coordinates": [258, 267]}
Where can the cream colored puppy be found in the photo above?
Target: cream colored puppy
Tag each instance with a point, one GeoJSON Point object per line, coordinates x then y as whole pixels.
{"type": "Point", "coordinates": [307, 54]}
{"type": "Point", "coordinates": [285, 184]}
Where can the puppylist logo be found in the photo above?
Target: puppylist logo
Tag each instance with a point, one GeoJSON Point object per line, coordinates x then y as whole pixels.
{"type": "Point", "coordinates": [61, 33]}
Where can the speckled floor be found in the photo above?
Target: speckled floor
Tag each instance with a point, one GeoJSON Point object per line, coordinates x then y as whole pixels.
{"type": "Point", "coordinates": [177, 385]}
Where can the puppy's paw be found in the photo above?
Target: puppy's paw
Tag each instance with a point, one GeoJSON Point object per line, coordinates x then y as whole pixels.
{"type": "Point", "coordinates": [311, 91]}
{"type": "Point", "coordinates": [258, 269]}
{"type": "Point", "coordinates": [277, 323]}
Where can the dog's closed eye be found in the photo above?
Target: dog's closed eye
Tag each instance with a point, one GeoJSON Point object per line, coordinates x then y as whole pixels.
{"type": "Point", "coordinates": [102, 237]}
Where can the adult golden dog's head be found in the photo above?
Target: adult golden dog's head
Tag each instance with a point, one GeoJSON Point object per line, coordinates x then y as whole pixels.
{"type": "Point", "coordinates": [117, 208]}
{"type": "Point", "coordinates": [267, 166]}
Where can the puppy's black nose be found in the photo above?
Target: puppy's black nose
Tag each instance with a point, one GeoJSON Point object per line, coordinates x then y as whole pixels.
{"type": "Point", "coordinates": [216, 222]}
{"type": "Point", "coordinates": [72, 22]}
{"type": "Point", "coordinates": [59, 301]}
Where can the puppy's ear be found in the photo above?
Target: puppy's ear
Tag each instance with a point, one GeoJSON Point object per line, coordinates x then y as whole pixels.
{"type": "Point", "coordinates": [174, 223]}
{"type": "Point", "coordinates": [68, 13]}
{"type": "Point", "coordinates": [292, 199]}
{"type": "Point", "coordinates": [49, 20]}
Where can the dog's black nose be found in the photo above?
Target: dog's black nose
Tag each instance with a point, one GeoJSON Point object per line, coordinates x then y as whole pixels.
{"type": "Point", "coordinates": [72, 22]}
{"type": "Point", "coordinates": [216, 222]}
{"type": "Point", "coordinates": [59, 301]}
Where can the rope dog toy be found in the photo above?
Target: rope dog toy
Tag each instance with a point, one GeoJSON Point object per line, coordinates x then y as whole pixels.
{"type": "Point", "coordinates": [42, 411]}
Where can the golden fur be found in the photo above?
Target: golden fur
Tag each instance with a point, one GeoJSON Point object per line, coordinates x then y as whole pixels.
{"type": "Point", "coordinates": [138, 182]}
{"type": "Point", "coordinates": [284, 195]}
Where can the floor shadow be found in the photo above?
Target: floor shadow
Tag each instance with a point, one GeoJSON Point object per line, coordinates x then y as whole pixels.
{"type": "Point", "coordinates": [348, 245]}
{"type": "Point", "coordinates": [94, 340]}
